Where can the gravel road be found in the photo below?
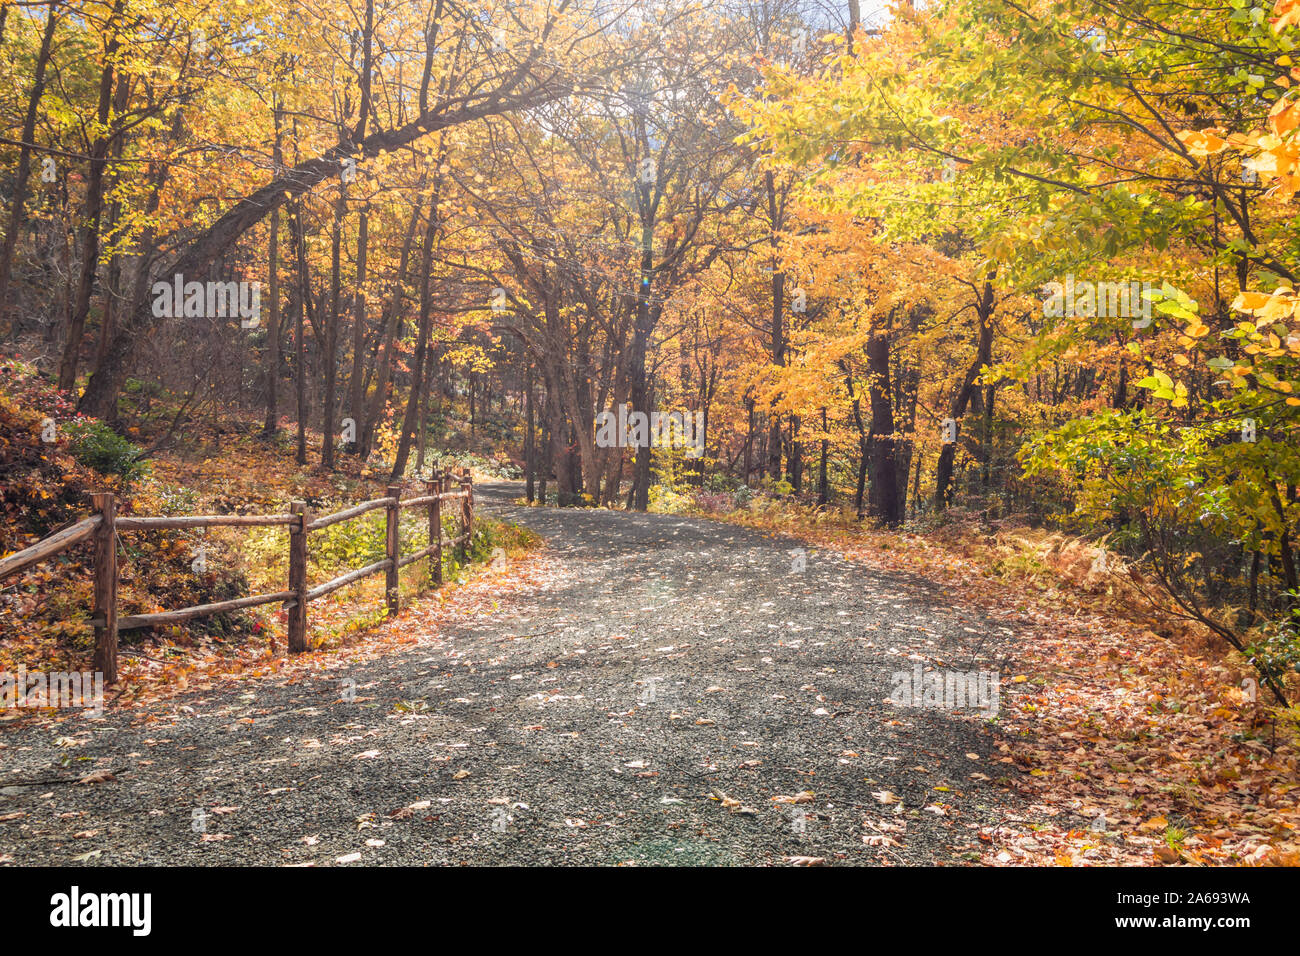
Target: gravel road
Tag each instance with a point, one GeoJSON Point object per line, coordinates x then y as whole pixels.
{"type": "Point", "coordinates": [680, 693]}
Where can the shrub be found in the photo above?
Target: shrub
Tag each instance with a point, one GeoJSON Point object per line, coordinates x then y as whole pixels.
{"type": "Point", "coordinates": [97, 446]}
{"type": "Point", "coordinates": [499, 466]}
{"type": "Point", "coordinates": [715, 502]}
{"type": "Point", "coordinates": [721, 481]}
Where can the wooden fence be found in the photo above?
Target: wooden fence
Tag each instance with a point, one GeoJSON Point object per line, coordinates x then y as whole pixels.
{"type": "Point", "coordinates": [104, 526]}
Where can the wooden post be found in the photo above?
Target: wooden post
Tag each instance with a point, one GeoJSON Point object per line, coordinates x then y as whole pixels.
{"type": "Point", "coordinates": [391, 526]}
{"type": "Point", "coordinates": [467, 509]}
{"type": "Point", "coordinates": [298, 578]}
{"type": "Point", "coordinates": [106, 587]}
{"type": "Point", "coordinates": [435, 530]}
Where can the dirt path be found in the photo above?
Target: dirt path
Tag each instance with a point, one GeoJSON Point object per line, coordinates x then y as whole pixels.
{"type": "Point", "coordinates": [586, 721]}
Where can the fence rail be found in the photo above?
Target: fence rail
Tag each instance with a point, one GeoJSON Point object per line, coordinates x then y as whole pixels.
{"type": "Point", "coordinates": [104, 525]}
{"type": "Point", "coordinates": [48, 547]}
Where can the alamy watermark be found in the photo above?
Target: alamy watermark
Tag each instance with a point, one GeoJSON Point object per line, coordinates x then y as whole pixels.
{"type": "Point", "coordinates": [75, 908]}
{"type": "Point", "coordinates": [62, 689]}
{"type": "Point", "coordinates": [208, 300]}
{"type": "Point", "coordinates": [946, 690]}
{"type": "Point", "coordinates": [1102, 300]}
{"type": "Point", "coordinates": [622, 429]}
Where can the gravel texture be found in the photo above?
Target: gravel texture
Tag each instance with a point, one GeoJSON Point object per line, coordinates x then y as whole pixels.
{"type": "Point", "coordinates": [645, 704]}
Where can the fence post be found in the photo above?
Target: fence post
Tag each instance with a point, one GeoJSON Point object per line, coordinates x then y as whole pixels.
{"type": "Point", "coordinates": [105, 608]}
{"type": "Point", "coordinates": [391, 527]}
{"type": "Point", "coordinates": [298, 578]}
{"type": "Point", "coordinates": [434, 487]}
{"type": "Point", "coordinates": [467, 510]}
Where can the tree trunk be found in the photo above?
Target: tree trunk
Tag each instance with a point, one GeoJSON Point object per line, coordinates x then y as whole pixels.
{"type": "Point", "coordinates": [421, 426]}
{"type": "Point", "coordinates": [885, 500]}
{"type": "Point", "coordinates": [530, 448]}
{"type": "Point", "coordinates": [823, 487]}
{"type": "Point", "coordinates": [644, 323]}
{"type": "Point", "coordinates": [93, 211]}
{"type": "Point", "coordinates": [986, 451]}
{"type": "Point", "coordinates": [421, 344]}
{"type": "Point", "coordinates": [272, 424]}
{"type": "Point", "coordinates": [559, 454]}
{"type": "Point", "coordinates": [775, 214]}
{"type": "Point", "coordinates": [545, 471]}
{"type": "Point", "coordinates": [113, 292]}
{"type": "Point", "coordinates": [391, 321]}
{"type": "Point", "coordinates": [356, 400]}
{"type": "Point", "coordinates": [961, 398]}
{"type": "Point", "coordinates": [331, 350]}
{"type": "Point", "coordinates": [864, 446]}
{"type": "Point", "coordinates": [300, 344]}
{"type": "Point", "coordinates": [794, 466]}
{"type": "Point", "coordinates": [15, 223]}
{"type": "Point", "coordinates": [749, 439]}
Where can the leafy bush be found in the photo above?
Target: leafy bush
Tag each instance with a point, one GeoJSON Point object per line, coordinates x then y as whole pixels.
{"type": "Point", "coordinates": [1198, 509]}
{"type": "Point", "coordinates": [1276, 650]}
{"type": "Point", "coordinates": [715, 502]}
{"type": "Point", "coordinates": [721, 481]}
{"type": "Point", "coordinates": [349, 545]}
{"type": "Point", "coordinates": [39, 490]}
{"type": "Point", "coordinates": [97, 446]}
{"type": "Point", "coordinates": [665, 500]}
{"type": "Point", "coordinates": [498, 466]}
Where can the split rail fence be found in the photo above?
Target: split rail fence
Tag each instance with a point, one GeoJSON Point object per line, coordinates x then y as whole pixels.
{"type": "Point", "coordinates": [105, 525]}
